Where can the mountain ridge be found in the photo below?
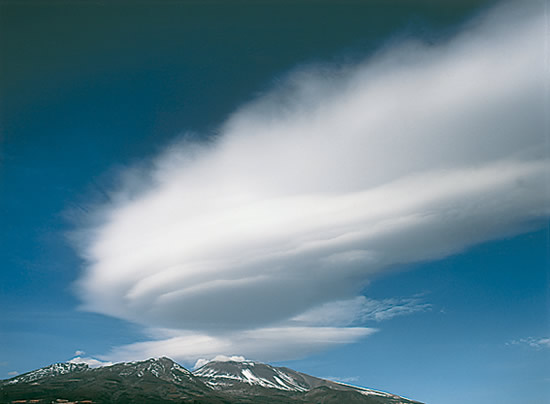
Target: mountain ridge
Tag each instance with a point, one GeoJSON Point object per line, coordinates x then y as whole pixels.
{"type": "Point", "coordinates": [161, 380]}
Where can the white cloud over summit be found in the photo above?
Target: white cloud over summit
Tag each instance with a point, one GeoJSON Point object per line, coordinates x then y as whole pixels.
{"type": "Point", "coordinates": [91, 362]}
{"type": "Point", "coordinates": [219, 358]}
{"type": "Point", "coordinates": [413, 155]}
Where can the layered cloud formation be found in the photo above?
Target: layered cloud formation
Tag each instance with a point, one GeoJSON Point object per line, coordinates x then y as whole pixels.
{"type": "Point", "coordinates": [260, 243]}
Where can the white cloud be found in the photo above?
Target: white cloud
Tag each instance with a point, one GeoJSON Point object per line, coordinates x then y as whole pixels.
{"type": "Point", "coordinates": [219, 358]}
{"type": "Point", "coordinates": [414, 155]}
{"type": "Point", "coordinates": [91, 362]}
{"type": "Point", "coordinates": [79, 353]}
{"type": "Point", "coordinates": [13, 373]}
{"type": "Point", "coordinates": [537, 343]}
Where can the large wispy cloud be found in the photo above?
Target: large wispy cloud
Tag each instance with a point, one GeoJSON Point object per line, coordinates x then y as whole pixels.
{"type": "Point", "coordinates": [254, 240]}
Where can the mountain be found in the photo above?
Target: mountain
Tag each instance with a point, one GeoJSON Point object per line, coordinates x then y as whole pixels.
{"type": "Point", "coordinates": [240, 377]}
{"type": "Point", "coordinates": [164, 381]}
{"type": "Point", "coordinates": [152, 381]}
{"type": "Point", "coordinates": [56, 369]}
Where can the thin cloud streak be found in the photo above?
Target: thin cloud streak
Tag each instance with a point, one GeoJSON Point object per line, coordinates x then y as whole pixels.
{"type": "Point", "coordinates": [360, 310]}
{"type": "Point", "coordinates": [309, 191]}
{"type": "Point", "coordinates": [536, 343]}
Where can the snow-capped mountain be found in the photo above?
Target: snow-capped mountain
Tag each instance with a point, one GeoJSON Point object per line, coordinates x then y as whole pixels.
{"type": "Point", "coordinates": [231, 375]}
{"type": "Point", "coordinates": [49, 371]}
{"type": "Point", "coordinates": [221, 375]}
{"type": "Point", "coordinates": [162, 380]}
{"type": "Point", "coordinates": [162, 368]}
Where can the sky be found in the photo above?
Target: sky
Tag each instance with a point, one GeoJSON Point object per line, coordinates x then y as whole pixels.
{"type": "Point", "coordinates": [357, 190]}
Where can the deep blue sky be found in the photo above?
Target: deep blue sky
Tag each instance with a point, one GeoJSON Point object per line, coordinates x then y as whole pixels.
{"type": "Point", "coordinates": [88, 88]}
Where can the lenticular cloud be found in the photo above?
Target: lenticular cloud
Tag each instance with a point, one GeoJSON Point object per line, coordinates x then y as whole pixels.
{"type": "Point", "coordinates": [413, 155]}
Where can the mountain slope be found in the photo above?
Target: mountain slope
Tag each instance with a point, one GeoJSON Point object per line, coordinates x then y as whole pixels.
{"type": "Point", "coordinates": [238, 377]}
{"type": "Point", "coordinates": [164, 381]}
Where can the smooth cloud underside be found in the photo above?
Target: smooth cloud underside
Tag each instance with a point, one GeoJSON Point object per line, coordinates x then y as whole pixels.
{"type": "Point", "coordinates": [336, 176]}
{"type": "Point", "coordinates": [266, 344]}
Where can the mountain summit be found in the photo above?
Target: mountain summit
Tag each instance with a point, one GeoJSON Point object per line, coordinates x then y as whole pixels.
{"type": "Point", "coordinates": [231, 375]}
{"type": "Point", "coordinates": [164, 381]}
